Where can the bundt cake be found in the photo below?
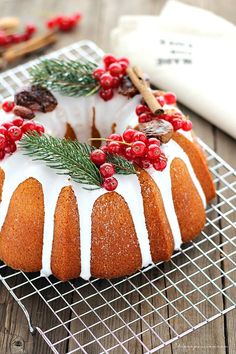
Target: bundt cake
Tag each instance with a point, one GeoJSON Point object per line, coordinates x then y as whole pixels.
{"type": "Point", "coordinates": [53, 224]}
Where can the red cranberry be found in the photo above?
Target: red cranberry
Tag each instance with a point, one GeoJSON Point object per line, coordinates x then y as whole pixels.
{"type": "Point", "coordinates": [110, 184]}
{"type": "Point", "coordinates": [141, 108]}
{"type": "Point", "coordinates": [140, 136]}
{"type": "Point", "coordinates": [115, 82]}
{"type": "Point", "coordinates": [170, 98]}
{"type": "Point", "coordinates": [51, 23]}
{"type": "Point", "coordinates": [124, 59]}
{"type": "Point", "coordinates": [66, 23]}
{"type": "Point", "coordinates": [16, 38]}
{"type": "Point", "coordinates": [10, 147]}
{"type": "Point", "coordinates": [39, 128]}
{"type": "Point", "coordinates": [18, 121]}
{"type": "Point", "coordinates": [153, 151]}
{"type": "Point", "coordinates": [144, 163]}
{"type": "Point", "coordinates": [109, 59]}
{"type": "Point", "coordinates": [3, 130]}
{"type": "Point", "coordinates": [104, 148]}
{"type": "Point", "coordinates": [2, 141]}
{"type": "Point", "coordinates": [107, 170]}
{"type": "Point", "coordinates": [177, 123]}
{"type": "Point", "coordinates": [28, 126]}
{"type": "Point", "coordinates": [145, 117]}
{"type": "Point", "coordinates": [115, 69]}
{"type": "Point", "coordinates": [30, 28]}
{"type": "Point", "coordinates": [187, 125]}
{"type": "Point", "coordinates": [98, 73]}
{"type": "Point", "coordinates": [2, 154]}
{"type": "Point", "coordinates": [128, 154]}
{"type": "Point", "coordinates": [138, 148]}
{"type": "Point", "coordinates": [154, 141]}
{"type": "Point", "coordinates": [114, 147]}
{"type": "Point", "coordinates": [14, 133]}
{"type": "Point", "coordinates": [124, 66]}
{"type": "Point", "coordinates": [106, 81]}
{"type": "Point", "coordinates": [8, 106]}
{"type": "Point", "coordinates": [116, 137]}
{"type": "Point", "coordinates": [3, 38]}
{"type": "Point", "coordinates": [106, 95]}
{"type": "Point", "coordinates": [98, 156]}
{"type": "Point", "coordinates": [128, 135]}
{"type": "Point", "coordinates": [160, 165]}
{"type": "Point", "coordinates": [7, 125]}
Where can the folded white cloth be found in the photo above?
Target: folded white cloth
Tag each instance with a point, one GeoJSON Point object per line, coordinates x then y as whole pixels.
{"type": "Point", "coordinates": [189, 51]}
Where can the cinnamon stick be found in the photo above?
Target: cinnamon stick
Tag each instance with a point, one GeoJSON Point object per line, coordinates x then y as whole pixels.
{"type": "Point", "coordinates": [30, 46]}
{"type": "Point", "coordinates": [136, 76]}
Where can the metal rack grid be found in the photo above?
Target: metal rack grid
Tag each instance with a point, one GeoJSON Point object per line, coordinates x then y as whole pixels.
{"type": "Point", "coordinates": [157, 305]}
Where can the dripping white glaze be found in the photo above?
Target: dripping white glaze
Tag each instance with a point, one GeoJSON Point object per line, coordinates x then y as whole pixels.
{"type": "Point", "coordinates": [163, 180]}
{"type": "Point", "coordinates": [78, 113]}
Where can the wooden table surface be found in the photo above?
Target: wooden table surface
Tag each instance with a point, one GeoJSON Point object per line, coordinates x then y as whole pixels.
{"type": "Point", "coordinates": [99, 17]}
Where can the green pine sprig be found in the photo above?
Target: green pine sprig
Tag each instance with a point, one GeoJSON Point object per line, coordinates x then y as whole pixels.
{"type": "Point", "coordinates": [71, 158]}
{"type": "Point", "coordinates": [69, 77]}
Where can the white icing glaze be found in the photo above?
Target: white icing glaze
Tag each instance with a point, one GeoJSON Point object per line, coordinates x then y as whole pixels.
{"type": "Point", "coordinates": [78, 113]}
{"type": "Point", "coordinates": [163, 180]}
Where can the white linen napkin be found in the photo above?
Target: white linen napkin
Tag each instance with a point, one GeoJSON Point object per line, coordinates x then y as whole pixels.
{"type": "Point", "coordinates": [189, 51]}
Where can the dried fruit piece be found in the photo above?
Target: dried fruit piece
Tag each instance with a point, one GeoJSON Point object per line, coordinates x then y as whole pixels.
{"type": "Point", "coordinates": [23, 112]}
{"type": "Point", "coordinates": [127, 88]}
{"type": "Point", "coordinates": [160, 129]}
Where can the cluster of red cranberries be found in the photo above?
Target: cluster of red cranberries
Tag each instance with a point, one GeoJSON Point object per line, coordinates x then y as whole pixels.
{"type": "Point", "coordinates": [7, 39]}
{"type": "Point", "coordinates": [64, 23]}
{"type": "Point", "coordinates": [110, 76]}
{"type": "Point", "coordinates": [175, 118]}
{"type": "Point", "coordinates": [11, 132]}
{"type": "Point", "coordinates": [132, 145]}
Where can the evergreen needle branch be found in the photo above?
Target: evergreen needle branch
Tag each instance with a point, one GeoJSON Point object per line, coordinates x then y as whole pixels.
{"type": "Point", "coordinates": [70, 157]}
{"type": "Point", "coordinates": [70, 77]}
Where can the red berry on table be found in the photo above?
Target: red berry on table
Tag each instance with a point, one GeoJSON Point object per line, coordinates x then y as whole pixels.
{"type": "Point", "coordinates": [128, 135]}
{"type": "Point", "coordinates": [16, 38]}
{"type": "Point", "coordinates": [30, 28]}
{"type": "Point", "coordinates": [98, 157]}
{"type": "Point", "coordinates": [2, 154]}
{"type": "Point", "coordinates": [161, 100]}
{"type": "Point", "coordinates": [140, 136]}
{"type": "Point", "coordinates": [51, 23]}
{"type": "Point", "coordinates": [187, 125]}
{"type": "Point", "coordinates": [106, 81]}
{"type": "Point", "coordinates": [66, 23]}
{"type": "Point", "coordinates": [160, 165]}
{"type": "Point", "coordinates": [106, 95]}
{"type": "Point", "coordinates": [115, 69]}
{"type": "Point", "coordinates": [14, 133]}
{"type": "Point", "coordinates": [110, 184]}
{"type": "Point", "coordinates": [8, 106]}
{"type": "Point", "coordinates": [25, 36]}
{"type": "Point", "coordinates": [98, 73]}
{"type": "Point", "coordinates": [7, 125]}
{"type": "Point", "coordinates": [153, 152]}
{"type": "Point", "coordinates": [10, 147]}
{"type": "Point", "coordinates": [138, 148]}
{"type": "Point", "coordinates": [145, 117]}
{"type": "Point", "coordinates": [115, 82]}
{"type": "Point", "coordinates": [107, 170]}
{"type": "Point", "coordinates": [109, 59]}
{"type": "Point", "coordinates": [170, 97]}
{"type": "Point", "coordinates": [28, 126]}
{"type": "Point", "coordinates": [2, 141]}
{"type": "Point", "coordinates": [3, 38]}
{"type": "Point", "coordinates": [114, 147]}
{"type": "Point", "coordinates": [144, 163]}
{"type": "Point", "coordinates": [18, 121]}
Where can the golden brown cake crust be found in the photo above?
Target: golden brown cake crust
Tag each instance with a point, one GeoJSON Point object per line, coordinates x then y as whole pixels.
{"type": "Point", "coordinates": [188, 204]}
{"type": "Point", "coordinates": [159, 232]}
{"type": "Point", "coordinates": [65, 260]}
{"type": "Point", "coordinates": [21, 238]}
{"type": "Point", "coordinates": [115, 248]}
{"type": "Point", "coordinates": [198, 161]}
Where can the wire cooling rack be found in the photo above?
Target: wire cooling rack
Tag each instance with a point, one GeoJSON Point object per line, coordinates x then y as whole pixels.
{"type": "Point", "coordinates": [157, 305]}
